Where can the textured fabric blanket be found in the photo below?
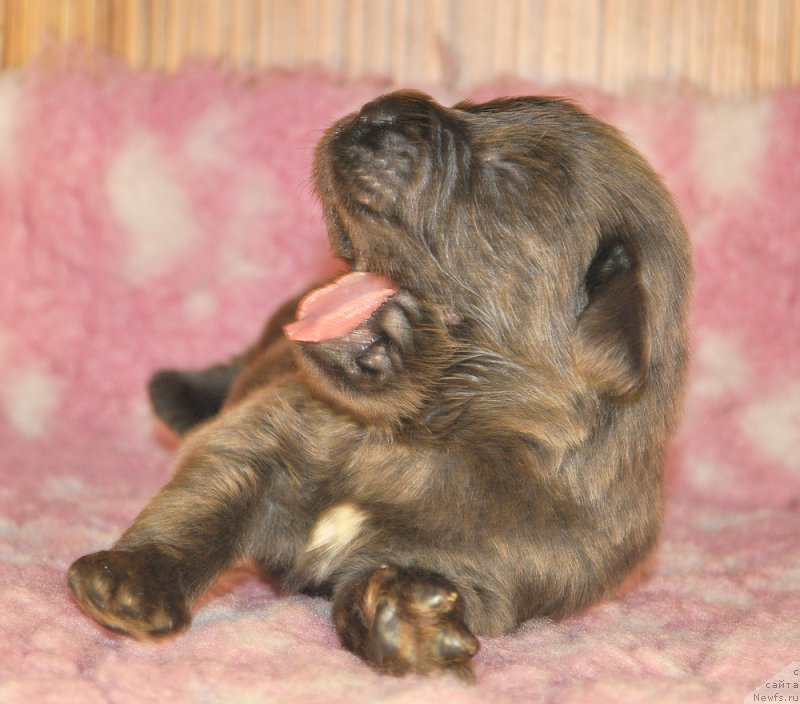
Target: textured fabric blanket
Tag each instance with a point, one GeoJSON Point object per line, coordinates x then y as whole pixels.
{"type": "Point", "coordinates": [150, 221]}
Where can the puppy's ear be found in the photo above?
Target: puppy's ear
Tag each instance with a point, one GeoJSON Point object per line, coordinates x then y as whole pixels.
{"type": "Point", "coordinates": [610, 345]}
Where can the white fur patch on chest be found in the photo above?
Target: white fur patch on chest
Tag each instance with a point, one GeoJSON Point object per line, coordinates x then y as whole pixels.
{"type": "Point", "coordinates": [332, 537]}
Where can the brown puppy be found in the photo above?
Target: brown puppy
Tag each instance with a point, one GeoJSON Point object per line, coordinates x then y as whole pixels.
{"type": "Point", "coordinates": [478, 443]}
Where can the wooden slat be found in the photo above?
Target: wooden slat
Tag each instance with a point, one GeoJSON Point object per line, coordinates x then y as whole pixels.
{"type": "Point", "coordinates": [729, 47]}
{"type": "Point", "coordinates": [793, 32]}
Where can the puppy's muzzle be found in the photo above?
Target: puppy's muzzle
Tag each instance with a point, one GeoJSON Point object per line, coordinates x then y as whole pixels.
{"type": "Point", "coordinates": [386, 150]}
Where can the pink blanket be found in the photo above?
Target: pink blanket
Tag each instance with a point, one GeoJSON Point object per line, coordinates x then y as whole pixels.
{"type": "Point", "coordinates": [148, 220]}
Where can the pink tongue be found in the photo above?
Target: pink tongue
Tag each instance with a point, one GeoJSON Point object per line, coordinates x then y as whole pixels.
{"type": "Point", "coordinates": [338, 308]}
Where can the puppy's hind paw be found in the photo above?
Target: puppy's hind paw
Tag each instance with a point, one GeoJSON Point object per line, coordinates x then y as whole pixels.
{"type": "Point", "coordinates": [134, 592]}
{"type": "Point", "coordinates": [403, 620]}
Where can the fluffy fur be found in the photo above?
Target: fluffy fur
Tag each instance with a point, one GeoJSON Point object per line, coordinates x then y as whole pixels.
{"type": "Point", "coordinates": [488, 446]}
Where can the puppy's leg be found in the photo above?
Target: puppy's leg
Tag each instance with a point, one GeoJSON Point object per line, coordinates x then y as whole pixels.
{"type": "Point", "coordinates": [184, 538]}
{"type": "Point", "coordinates": [229, 486]}
{"type": "Point", "coordinates": [403, 620]}
{"type": "Point", "coordinates": [184, 398]}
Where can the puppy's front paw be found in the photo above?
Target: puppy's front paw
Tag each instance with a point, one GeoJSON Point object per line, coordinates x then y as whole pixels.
{"type": "Point", "coordinates": [391, 330]}
{"type": "Point", "coordinates": [373, 355]}
{"type": "Point", "coordinates": [135, 592]}
{"type": "Point", "coordinates": [408, 621]}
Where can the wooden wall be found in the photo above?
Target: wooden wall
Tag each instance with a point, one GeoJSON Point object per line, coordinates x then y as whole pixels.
{"type": "Point", "coordinates": [730, 47]}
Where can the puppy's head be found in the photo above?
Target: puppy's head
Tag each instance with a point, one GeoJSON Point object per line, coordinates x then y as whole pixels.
{"type": "Point", "coordinates": [522, 236]}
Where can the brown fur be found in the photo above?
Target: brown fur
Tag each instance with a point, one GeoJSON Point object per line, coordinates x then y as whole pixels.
{"type": "Point", "coordinates": [488, 446]}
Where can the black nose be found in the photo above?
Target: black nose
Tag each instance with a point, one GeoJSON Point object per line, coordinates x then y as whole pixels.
{"type": "Point", "coordinates": [383, 112]}
{"type": "Point", "coordinates": [397, 108]}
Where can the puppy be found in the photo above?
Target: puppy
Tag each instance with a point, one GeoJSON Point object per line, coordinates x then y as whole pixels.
{"type": "Point", "coordinates": [465, 432]}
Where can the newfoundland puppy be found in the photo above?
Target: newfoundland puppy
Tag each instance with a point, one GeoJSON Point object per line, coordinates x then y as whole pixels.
{"type": "Point", "coordinates": [466, 430]}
